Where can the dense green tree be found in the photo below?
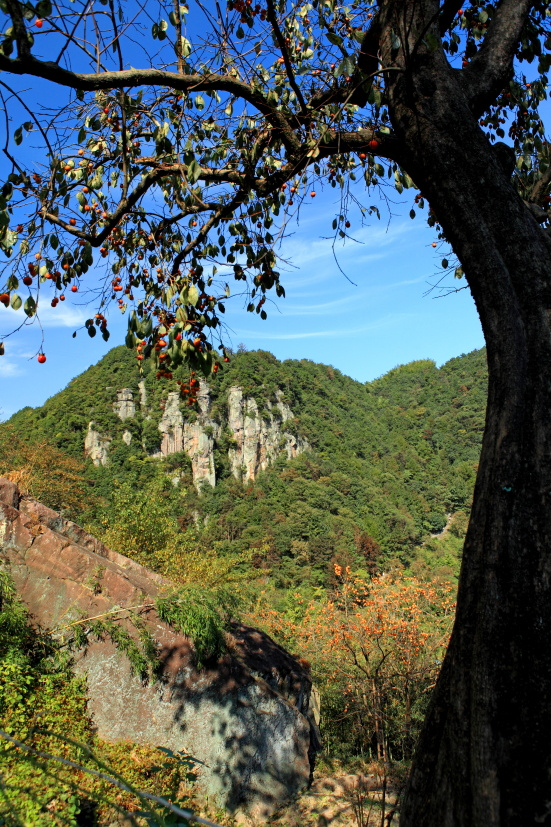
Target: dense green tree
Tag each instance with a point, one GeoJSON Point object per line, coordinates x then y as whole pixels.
{"type": "Point", "coordinates": [201, 143]}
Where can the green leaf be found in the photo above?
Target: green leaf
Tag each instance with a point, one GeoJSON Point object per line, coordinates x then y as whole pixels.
{"type": "Point", "coordinates": [193, 172]}
{"type": "Point", "coordinates": [18, 135]}
{"type": "Point", "coordinates": [30, 306]}
{"type": "Point", "coordinates": [345, 67]}
{"type": "Point", "coordinates": [15, 301]}
{"type": "Point", "coordinates": [335, 39]}
{"type": "Point", "coordinates": [91, 331]}
{"type": "Point", "coordinates": [192, 295]}
{"type": "Point", "coordinates": [43, 8]}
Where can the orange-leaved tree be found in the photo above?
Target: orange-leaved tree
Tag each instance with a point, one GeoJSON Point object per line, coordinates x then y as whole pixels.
{"type": "Point", "coordinates": [377, 645]}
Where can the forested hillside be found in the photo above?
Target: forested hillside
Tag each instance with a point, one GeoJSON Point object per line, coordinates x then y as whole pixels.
{"type": "Point", "coordinates": [329, 551]}
{"type": "Point", "coordinates": [387, 463]}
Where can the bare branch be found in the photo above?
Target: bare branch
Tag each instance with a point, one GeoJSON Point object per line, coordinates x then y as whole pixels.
{"type": "Point", "coordinates": [187, 814]}
{"type": "Point", "coordinates": [132, 78]}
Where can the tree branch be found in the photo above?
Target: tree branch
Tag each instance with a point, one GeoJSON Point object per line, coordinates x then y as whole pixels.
{"type": "Point", "coordinates": [272, 19]}
{"type": "Point", "coordinates": [492, 67]}
{"type": "Point", "coordinates": [448, 13]}
{"type": "Point", "coordinates": [131, 78]}
{"type": "Point", "coordinates": [20, 30]}
{"type": "Point", "coordinates": [388, 146]}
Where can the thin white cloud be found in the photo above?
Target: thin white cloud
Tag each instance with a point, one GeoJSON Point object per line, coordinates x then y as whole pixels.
{"type": "Point", "coordinates": [9, 368]}
{"type": "Point", "coordinates": [387, 321]}
{"type": "Point", "coordinates": [372, 240]}
{"type": "Point", "coordinates": [64, 315]}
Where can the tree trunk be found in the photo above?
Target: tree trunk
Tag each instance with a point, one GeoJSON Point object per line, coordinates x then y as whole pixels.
{"type": "Point", "coordinates": [484, 756]}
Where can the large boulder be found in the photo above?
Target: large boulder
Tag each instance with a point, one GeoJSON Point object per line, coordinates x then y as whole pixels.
{"type": "Point", "coordinates": [246, 719]}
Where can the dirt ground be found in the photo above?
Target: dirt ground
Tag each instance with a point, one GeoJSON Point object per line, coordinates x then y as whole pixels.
{"type": "Point", "coordinates": [348, 800]}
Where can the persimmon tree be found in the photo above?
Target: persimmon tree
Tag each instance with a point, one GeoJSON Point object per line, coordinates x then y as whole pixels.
{"type": "Point", "coordinates": [175, 158]}
{"type": "Point", "coordinates": [378, 645]}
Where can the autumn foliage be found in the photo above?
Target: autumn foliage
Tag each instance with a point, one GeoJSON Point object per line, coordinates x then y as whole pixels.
{"type": "Point", "coordinates": [375, 649]}
{"type": "Point", "coordinates": [43, 471]}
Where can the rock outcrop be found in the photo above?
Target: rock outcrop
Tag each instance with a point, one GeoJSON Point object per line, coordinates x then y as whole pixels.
{"type": "Point", "coordinates": [124, 405]}
{"type": "Point", "coordinates": [96, 446]}
{"type": "Point", "coordinates": [257, 438]}
{"type": "Point", "coordinates": [246, 718]}
{"type": "Point", "coordinates": [196, 439]}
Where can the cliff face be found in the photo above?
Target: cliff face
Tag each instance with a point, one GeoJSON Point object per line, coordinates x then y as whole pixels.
{"type": "Point", "coordinates": [247, 718]}
{"type": "Point", "coordinates": [196, 439]}
{"type": "Point", "coordinates": [256, 438]}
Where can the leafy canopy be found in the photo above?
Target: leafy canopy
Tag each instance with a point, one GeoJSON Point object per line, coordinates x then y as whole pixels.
{"type": "Point", "coordinates": [170, 180]}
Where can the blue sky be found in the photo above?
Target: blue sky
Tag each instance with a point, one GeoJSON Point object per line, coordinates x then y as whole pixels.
{"type": "Point", "coordinates": [384, 318]}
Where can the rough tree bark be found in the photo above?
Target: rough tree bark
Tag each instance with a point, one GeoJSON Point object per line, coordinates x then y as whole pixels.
{"type": "Point", "coordinates": [485, 757]}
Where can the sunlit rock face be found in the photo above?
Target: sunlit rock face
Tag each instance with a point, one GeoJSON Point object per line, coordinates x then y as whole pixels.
{"type": "Point", "coordinates": [96, 446]}
{"type": "Point", "coordinates": [248, 718]}
{"type": "Point", "coordinates": [258, 439]}
{"type": "Point", "coordinates": [124, 405]}
{"type": "Point", "coordinates": [257, 436]}
{"type": "Point", "coordinates": [196, 439]}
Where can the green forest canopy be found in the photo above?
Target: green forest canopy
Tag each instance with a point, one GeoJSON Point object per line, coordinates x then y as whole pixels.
{"type": "Point", "coordinates": [387, 462]}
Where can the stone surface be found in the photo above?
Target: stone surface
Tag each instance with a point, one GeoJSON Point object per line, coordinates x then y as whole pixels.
{"type": "Point", "coordinates": [143, 395]}
{"type": "Point", "coordinates": [96, 445]}
{"type": "Point", "coordinates": [247, 718]}
{"type": "Point", "coordinates": [259, 440]}
{"type": "Point", "coordinates": [195, 438]}
{"type": "Point", "coordinates": [124, 405]}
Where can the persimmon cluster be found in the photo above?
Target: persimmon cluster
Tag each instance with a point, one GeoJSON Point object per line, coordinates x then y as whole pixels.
{"type": "Point", "coordinates": [189, 389]}
{"type": "Point", "coordinates": [246, 9]}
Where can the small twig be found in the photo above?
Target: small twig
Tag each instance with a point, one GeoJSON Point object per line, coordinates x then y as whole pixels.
{"type": "Point", "coordinates": [104, 614]}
